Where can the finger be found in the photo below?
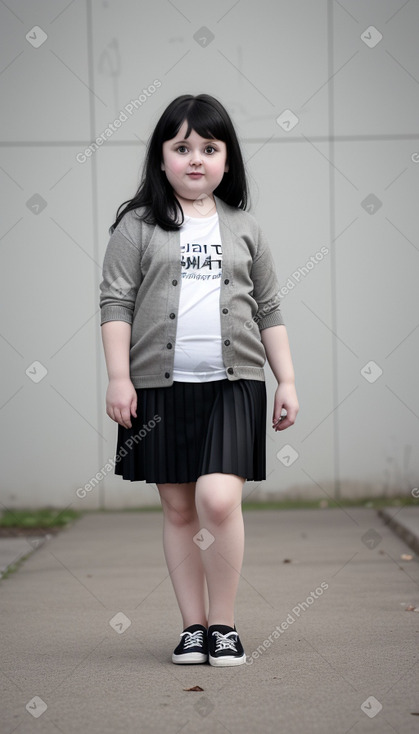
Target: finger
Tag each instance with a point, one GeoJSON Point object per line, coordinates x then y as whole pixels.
{"type": "Point", "coordinates": [281, 417]}
{"type": "Point", "coordinates": [122, 418]}
{"type": "Point", "coordinates": [127, 420]}
{"type": "Point", "coordinates": [276, 414]}
{"type": "Point", "coordinates": [292, 414]}
{"type": "Point", "coordinates": [287, 421]}
{"type": "Point", "coordinates": [134, 407]}
{"type": "Point", "coordinates": [282, 425]}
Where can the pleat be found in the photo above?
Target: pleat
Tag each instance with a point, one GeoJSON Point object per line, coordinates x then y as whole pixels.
{"type": "Point", "coordinates": [235, 440]}
{"type": "Point", "coordinates": [196, 428]}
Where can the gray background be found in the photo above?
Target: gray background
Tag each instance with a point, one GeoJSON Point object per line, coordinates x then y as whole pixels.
{"type": "Point", "coordinates": [345, 177]}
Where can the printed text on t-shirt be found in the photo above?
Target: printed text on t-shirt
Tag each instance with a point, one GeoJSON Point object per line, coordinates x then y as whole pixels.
{"type": "Point", "coordinates": [197, 256]}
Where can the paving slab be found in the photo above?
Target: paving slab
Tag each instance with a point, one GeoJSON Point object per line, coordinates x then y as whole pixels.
{"type": "Point", "coordinates": [405, 522]}
{"type": "Point", "coordinates": [90, 621]}
{"type": "Point", "coordinates": [13, 550]}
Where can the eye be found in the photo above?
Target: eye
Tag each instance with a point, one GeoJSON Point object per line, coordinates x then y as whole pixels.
{"type": "Point", "coordinates": [179, 147]}
{"type": "Point", "coordinates": [210, 146]}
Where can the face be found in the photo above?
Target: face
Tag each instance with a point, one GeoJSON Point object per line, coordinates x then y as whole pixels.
{"type": "Point", "coordinates": [184, 158]}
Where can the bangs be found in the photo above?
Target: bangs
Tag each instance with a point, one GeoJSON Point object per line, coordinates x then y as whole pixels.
{"type": "Point", "coordinates": [200, 117]}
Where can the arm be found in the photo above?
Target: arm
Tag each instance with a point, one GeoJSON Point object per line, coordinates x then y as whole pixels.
{"type": "Point", "coordinates": [118, 290]}
{"type": "Point", "coordinates": [275, 341]}
{"type": "Point", "coordinates": [121, 397]}
{"type": "Point", "coordinates": [273, 334]}
{"type": "Point", "coordinates": [116, 337]}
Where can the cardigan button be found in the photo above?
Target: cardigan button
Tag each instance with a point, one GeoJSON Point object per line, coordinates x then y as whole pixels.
{"type": "Point", "coordinates": [174, 282]}
{"type": "Point", "coordinates": [169, 346]}
{"type": "Point", "coordinates": [172, 315]}
{"type": "Point", "coordinates": [226, 281]}
{"type": "Point", "coordinates": [167, 374]}
{"type": "Point", "coordinates": [225, 310]}
{"type": "Point", "coordinates": [230, 371]}
{"type": "Point", "coordinates": [227, 342]}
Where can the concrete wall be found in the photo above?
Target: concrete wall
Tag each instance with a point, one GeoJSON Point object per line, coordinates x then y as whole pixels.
{"type": "Point", "coordinates": [325, 100]}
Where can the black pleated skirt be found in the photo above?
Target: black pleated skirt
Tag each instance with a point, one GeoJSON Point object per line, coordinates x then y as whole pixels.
{"type": "Point", "coordinates": [194, 428]}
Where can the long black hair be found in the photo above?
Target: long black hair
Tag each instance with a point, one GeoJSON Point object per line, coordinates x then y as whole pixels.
{"type": "Point", "coordinates": [207, 116]}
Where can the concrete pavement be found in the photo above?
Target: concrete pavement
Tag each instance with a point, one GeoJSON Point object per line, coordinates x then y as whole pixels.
{"type": "Point", "coordinates": [90, 621]}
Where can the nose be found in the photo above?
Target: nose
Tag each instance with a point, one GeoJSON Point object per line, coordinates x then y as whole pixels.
{"type": "Point", "coordinates": [196, 157]}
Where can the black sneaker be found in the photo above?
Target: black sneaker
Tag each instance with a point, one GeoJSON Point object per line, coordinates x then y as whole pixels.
{"type": "Point", "coordinates": [193, 645]}
{"type": "Point", "coordinates": [224, 646]}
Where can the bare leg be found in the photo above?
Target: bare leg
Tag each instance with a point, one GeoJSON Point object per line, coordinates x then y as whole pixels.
{"type": "Point", "coordinates": [218, 500]}
{"type": "Point", "coordinates": [183, 555]}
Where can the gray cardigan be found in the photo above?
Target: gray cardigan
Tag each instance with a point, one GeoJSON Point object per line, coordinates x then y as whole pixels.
{"type": "Point", "coordinates": [142, 281]}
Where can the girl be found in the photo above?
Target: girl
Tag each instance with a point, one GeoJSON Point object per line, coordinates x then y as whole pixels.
{"type": "Point", "coordinates": [189, 314]}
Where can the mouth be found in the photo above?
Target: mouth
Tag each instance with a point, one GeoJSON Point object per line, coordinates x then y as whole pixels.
{"type": "Point", "coordinates": [195, 175]}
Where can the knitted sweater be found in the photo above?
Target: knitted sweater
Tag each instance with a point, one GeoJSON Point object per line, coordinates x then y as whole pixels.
{"type": "Point", "coordinates": [142, 281]}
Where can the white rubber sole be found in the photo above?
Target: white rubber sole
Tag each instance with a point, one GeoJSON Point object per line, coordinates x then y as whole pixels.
{"type": "Point", "coordinates": [227, 661]}
{"type": "Point", "coordinates": [191, 657]}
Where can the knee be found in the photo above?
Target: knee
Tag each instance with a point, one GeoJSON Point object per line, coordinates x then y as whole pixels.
{"type": "Point", "coordinates": [218, 508]}
{"type": "Point", "coordinates": [179, 514]}
{"type": "Point", "coordinates": [180, 517]}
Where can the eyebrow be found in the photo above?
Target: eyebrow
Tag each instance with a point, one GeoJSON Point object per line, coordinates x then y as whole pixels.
{"type": "Point", "coordinates": [213, 140]}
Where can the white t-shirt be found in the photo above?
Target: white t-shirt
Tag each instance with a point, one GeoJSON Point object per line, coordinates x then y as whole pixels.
{"type": "Point", "coordinates": [198, 351]}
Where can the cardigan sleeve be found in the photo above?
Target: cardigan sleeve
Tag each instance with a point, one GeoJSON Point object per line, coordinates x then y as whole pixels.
{"type": "Point", "coordinates": [122, 277]}
{"type": "Point", "coordinates": [266, 286]}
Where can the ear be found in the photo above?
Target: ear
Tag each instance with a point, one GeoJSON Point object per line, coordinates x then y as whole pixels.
{"type": "Point", "coordinates": [162, 166]}
{"type": "Point", "coordinates": [226, 168]}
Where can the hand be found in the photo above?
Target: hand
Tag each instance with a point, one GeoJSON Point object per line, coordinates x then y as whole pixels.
{"type": "Point", "coordinates": [285, 397]}
{"type": "Point", "coordinates": [121, 401]}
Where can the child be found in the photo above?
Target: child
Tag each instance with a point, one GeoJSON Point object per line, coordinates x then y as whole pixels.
{"type": "Point", "coordinates": [189, 314]}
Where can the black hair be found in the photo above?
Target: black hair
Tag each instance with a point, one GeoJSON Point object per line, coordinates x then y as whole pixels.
{"type": "Point", "coordinates": [207, 116]}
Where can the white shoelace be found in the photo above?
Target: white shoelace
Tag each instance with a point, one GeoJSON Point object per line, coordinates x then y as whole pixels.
{"type": "Point", "coordinates": [224, 642]}
{"type": "Point", "coordinates": [192, 639]}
